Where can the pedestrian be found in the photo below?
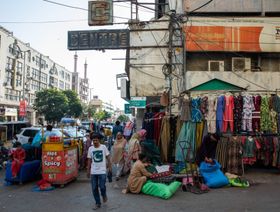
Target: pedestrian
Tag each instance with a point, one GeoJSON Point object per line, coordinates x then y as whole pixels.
{"type": "Point", "coordinates": [134, 147]}
{"type": "Point", "coordinates": [18, 157]}
{"type": "Point", "coordinates": [138, 175]}
{"type": "Point", "coordinates": [96, 169]}
{"type": "Point", "coordinates": [119, 154]}
{"type": "Point", "coordinates": [117, 128]}
{"type": "Point", "coordinates": [86, 145]}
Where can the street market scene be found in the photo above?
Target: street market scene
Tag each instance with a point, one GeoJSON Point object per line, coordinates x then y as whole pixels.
{"type": "Point", "coordinates": [174, 105]}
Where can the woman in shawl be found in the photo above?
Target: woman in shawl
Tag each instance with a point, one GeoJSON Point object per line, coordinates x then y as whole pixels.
{"type": "Point", "coordinates": [134, 147]}
{"type": "Point", "coordinates": [142, 134]}
{"type": "Point", "coordinates": [118, 157]}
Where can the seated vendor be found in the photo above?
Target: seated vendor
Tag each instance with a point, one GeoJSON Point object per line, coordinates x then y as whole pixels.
{"type": "Point", "coordinates": [18, 157]}
{"type": "Point", "coordinates": [138, 175]}
{"type": "Point", "coordinates": [207, 150]}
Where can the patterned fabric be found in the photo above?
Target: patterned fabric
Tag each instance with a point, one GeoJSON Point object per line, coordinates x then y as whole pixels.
{"type": "Point", "coordinates": [221, 152]}
{"type": "Point", "coordinates": [265, 117]}
{"type": "Point", "coordinates": [237, 113]}
{"type": "Point", "coordinates": [234, 162]}
{"type": "Point", "coordinates": [185, 114]}
{"type": "Point", "coordinates": [196, 113]}
{"type": "Point", "coordinates": [248, 107]}
{"type": "Point", "coordinates": [211, 114]}
{"type": "Point", "coordinates": [256, 115]}
{"type": "Point", "coordinates": [204, 107]}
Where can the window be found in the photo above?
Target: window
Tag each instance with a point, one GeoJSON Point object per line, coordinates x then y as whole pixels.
{"type": "Point", "coordinates": [61, 73]}
{"type": "Point", "coordinates": [67, 86]}
{"type": "Point", "coordinates": [12, 95]}
{"type": "Point", "coordinates": [61, 84]}
{"type": "Point", "coordinates": [44, 77]}
{"type": "Point", "coordinates": [9, 64]}
{"type": "Point", "coordinates": [19, 67]}
{"type": "Point", "coordinates": [18, 80]}
{"type": "Point", "coordinates": [35, 74]}
{"type": "Point", "coordinates": [35, 85]}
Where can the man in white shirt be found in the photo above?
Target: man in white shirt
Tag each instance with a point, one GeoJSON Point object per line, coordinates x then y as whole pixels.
{"type": "Point", "coordinates": [96, 168]}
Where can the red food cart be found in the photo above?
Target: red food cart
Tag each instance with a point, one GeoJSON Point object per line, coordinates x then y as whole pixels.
{"type": "Point", "coordinates": [59, 161]}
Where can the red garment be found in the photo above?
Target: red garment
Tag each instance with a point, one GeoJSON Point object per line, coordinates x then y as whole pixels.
{"type": "Point", "coordinates": [18, 157]}
{"type": "Point", "coordinates": [228, 113]}
{"type": "Point", "coordinates": [157, 125]}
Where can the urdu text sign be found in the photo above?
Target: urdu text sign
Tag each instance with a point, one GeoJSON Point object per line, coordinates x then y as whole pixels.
{"type": "Point", "coordinates": [98, 39]}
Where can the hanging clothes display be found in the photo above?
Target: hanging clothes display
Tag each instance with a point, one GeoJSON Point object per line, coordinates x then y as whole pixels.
{"type": "Point", "coordinates": [195, 110]}
{"type": "Point", "coordinates": [185, 144]}
{"type": "Point", "coordinates": [265, 118]}
{"type": "Point", "coordinates": [220, 112]}
{"type": "Point", "coordinates": [211, 114]}
{"type": "Point", "coordinates": [248, 108]}
{"type": "Point", "coordinates": [237, 113]}
{"type": "Point", "coordinates": [185, 106]}
{"type": "Point", "coordinates": [228, 113]}
{"type": "Point", "coordinates": [256, 115]}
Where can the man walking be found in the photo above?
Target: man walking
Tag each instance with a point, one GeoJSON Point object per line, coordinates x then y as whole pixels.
{"type": "Point", "coordinates": [96, 169]}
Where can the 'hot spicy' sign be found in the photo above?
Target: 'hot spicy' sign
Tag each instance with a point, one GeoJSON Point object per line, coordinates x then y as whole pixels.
{"type": "Point", "coordinates": [52, 161]}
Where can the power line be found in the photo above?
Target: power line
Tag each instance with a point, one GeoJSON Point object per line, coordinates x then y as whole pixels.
{"type": "Point", "coordinates": [201, 6]}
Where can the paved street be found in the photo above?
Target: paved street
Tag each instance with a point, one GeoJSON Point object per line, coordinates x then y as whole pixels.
{"type": "Point", "coordinates": [76, 196]}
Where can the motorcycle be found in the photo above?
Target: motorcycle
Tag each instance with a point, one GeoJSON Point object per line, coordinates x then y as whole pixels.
{"type": "Point", "coordinates": [4, 155]}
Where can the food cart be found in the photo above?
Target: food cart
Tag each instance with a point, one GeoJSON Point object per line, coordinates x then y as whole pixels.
{"type": "Point", "coordinates": [59, 160]}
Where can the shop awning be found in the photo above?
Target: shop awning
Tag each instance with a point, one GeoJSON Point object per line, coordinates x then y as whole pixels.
{"type": "Point", "coordinates": [216, 84]}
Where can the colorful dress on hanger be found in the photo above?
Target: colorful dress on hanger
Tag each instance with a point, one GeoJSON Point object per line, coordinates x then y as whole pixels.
{"type": "Point", "coordinates": [211, 114]}
{"type": "Point", "coordinates": [249, 151]}
{"type": "Point", "coordinates": [228, 113]}
{"type": "Point", "coordinates": [276, 107]}
{"type": "Point", "coordinates": [273, 116]}
{"type": "Point", "coordinates": [220, 112]}
{"type": "Point", "coordinates": [237, 113]}
{"type": "Point", "coordinates": [185, 104]}
{"type": "Point", "coordinates": [265, 117]}
{"type": "Point", "coordinates": [256, 115]}
{"type": "Point", "coordinates": [204, 106]}
{"type": "Point", "coordinates": [196, 113]}
{"type": "Point", "coordinates": [248, 107]}
{"type": "Point", "coordinates": [234, 163]}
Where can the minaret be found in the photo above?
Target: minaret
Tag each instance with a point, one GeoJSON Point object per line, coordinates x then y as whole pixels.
{"type": "Point", "coordinates": [85, 69]}
{"type": "Point", "coordinates": [75, 62]}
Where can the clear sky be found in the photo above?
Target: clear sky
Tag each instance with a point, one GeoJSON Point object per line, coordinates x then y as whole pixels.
{"type": "Point", "coordinates": [45, 25]}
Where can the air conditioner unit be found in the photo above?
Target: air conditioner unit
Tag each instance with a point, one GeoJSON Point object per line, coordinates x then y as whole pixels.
{"type": "Point", "coordinates": [241, 64]}
{"type": "Point", "coordinates": [216, 65]}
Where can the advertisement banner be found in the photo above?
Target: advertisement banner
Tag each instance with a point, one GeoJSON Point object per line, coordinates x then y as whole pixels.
{"type": "Point", "coordinates": [22, 108]}
{"type": "Point", "coordinates": [233, 34]}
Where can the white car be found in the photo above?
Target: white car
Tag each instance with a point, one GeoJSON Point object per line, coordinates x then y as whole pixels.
{"type": "Point", "coordinates": [25, 133]}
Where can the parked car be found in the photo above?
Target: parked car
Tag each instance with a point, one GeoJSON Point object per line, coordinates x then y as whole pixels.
{"type": "Point", "coordinates": [26, 133]}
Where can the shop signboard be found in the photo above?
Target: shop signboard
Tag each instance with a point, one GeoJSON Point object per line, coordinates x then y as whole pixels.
{"type": "Point", "coordinates": [238, 34]}
{"type": "Point", "coordinates": [53, 161]}
{"type": "Point", "coordinates": [127, 109]}
{"type": "Point", "coordinates": [100, 12]}
{"type": "Point", "coordinates": [138, 102]}
{"type": "Point", "coordinates": [98, 39]}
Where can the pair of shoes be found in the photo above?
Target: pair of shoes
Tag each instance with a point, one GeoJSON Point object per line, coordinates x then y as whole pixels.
{"type": "Point", "coordinates": [105, 199]}
{"type": "Point", "coordinates": [96, 207]}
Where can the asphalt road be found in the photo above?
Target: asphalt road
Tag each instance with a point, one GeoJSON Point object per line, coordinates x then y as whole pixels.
{"type": "Point", "coordinates": [263, 195]}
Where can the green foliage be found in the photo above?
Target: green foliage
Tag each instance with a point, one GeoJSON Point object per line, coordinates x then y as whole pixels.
{"type": "Point", "coordinates": [75, 108]}
{"type": "Point", "coordinates": [101, 115]}
{"type": "Point", "coordinates": [51, 103]}
{"type": "Point", "coordinates": [123, 118]}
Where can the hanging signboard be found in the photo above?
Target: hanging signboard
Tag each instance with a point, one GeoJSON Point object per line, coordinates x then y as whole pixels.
{"type": "Point", "coordinates": [22, 108]}
{"type": "Point", "coordinates": [138, 102]}
{"type": "Point", "coordinates": [127, 109]}
{"type": "Point", "coordinates": [98, 39]}
{"type": "Point", "coordinates": [100, 12]}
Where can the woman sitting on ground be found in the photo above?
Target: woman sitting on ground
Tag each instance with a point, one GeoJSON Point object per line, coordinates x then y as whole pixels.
{"type": "Point", "coordinates": [138, 175]}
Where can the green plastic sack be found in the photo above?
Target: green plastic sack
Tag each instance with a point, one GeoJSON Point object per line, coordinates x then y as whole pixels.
{"type": "Point", "coordinates": [160, 190]}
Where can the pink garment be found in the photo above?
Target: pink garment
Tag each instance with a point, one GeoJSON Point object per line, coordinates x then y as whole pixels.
{"type": "Point", "coordinates": [142, 133]}
{"type": "Point", "coordinates": [228, 113]}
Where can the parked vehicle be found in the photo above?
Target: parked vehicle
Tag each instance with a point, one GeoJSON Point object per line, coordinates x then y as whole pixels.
{"type": "Point", "coordinates": [26, 133]}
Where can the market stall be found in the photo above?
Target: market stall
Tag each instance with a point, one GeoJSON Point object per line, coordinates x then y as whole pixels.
{"type": "Point", "coordinates": [59, 161]}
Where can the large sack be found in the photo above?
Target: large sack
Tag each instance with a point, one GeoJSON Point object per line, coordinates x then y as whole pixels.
{"type": "Point", "coordinates": [212, 175]}
{"type": "Point", "coordinates": [160, 190]}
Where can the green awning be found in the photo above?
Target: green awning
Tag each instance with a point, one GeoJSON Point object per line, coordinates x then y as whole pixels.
{"type": "Point", "coordinates": [216, 84]}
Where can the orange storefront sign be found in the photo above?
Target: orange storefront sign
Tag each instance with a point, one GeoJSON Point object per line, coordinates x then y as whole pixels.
{"type": "Point", "coordinates": [221, 38]}
{"type": "Point", "coordinates": [22, 108]}
{"type": "Point", "coordinates": [238, 34]}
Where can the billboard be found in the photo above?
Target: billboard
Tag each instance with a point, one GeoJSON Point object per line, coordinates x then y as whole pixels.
{"type": "Point", "coordinates": [100, 12]}
{"type": "Point", "coordinates": [98, 39]}
{"type": "Point", "coordinates": [233, 34]}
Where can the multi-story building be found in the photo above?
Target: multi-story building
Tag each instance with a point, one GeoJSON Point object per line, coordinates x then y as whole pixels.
{"type": "Point", "coordinates": [23, 71]}
{"type": "Point", "coordinates": [218, 43]}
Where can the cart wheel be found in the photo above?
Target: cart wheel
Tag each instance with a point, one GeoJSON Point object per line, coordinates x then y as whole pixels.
{"type": "Point", "coordinates": [61, 186]}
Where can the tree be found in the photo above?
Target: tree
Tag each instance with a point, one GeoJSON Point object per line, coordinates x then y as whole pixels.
{"type": "Point", "coordinates": [123, 118]}
{"type": "Point", "coordinates": [102, 115]}
{"type": "Point", "coordinates": [75, 108]}
{"type": "Point", "coordinates": [51, 103]}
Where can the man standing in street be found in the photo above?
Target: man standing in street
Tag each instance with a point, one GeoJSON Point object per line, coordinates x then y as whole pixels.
{"type": "Point", "coordinates": [96, 169]}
